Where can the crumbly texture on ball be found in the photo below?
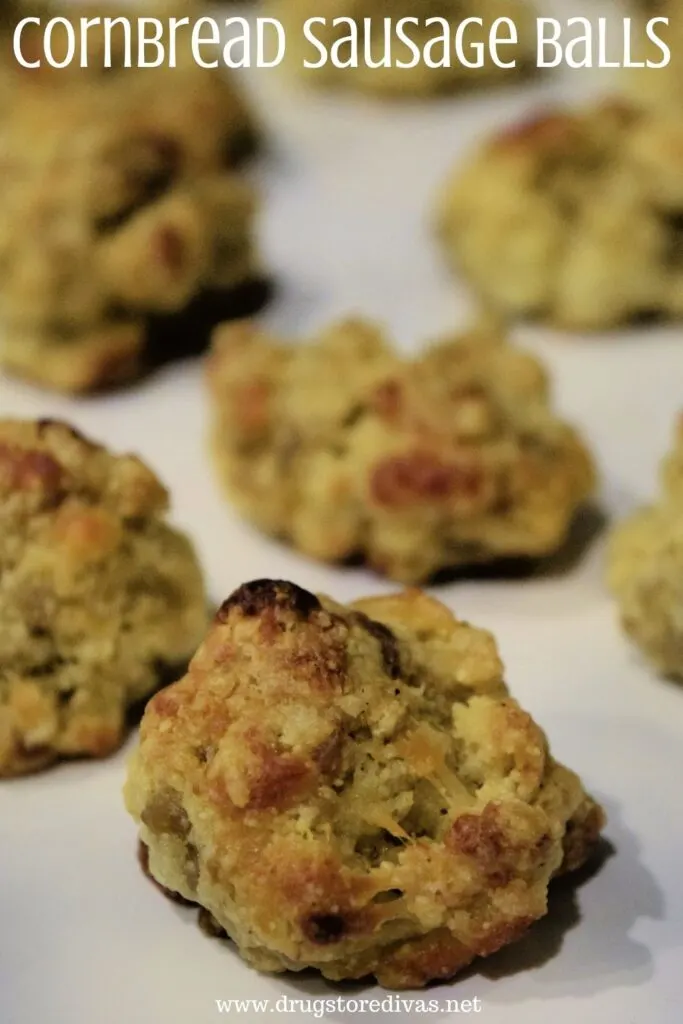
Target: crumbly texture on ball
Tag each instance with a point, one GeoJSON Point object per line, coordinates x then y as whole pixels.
{"type": "Point", "coordinates": [645, 569]}
{"type": "Point", "coordinates": [120, 203]}
{"type": "Point", "coordinates": [347, 450]}
{"type": "Point", "coordinates": [351, 788]}
{"type": "Point", "coordinates": [400, 81]}
{"type": "Point", "coordinates": [99, 597]}
{"type": "Point", "coordinates": [574, 218]}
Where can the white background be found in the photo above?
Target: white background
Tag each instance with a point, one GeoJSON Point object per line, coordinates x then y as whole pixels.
{"type": "Point", "coordinates": [347, 187]}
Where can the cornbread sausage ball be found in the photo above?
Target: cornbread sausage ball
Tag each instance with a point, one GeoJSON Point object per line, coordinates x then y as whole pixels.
{"type": "Point", "coordinates": [352, 788]}
{"type": "Point", "coordinates": [645, 569]}
{"type": "Point", "coordinates": [99, 597]}
{"type": "Point", "coordinates": [573, 218]}
{"type": "Point", "coordinates": [345, 449]}
{"type": "Point", "coordinates": [121, 204]}
{"type": "Point", "coordinates": [389, 80]}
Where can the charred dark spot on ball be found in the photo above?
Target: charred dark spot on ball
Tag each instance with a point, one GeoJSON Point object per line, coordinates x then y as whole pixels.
{"type": "Point", "coordinates": [205, 752]}
{"type": "Point", "coordinates": [240, 145]}
{"type": "Point", "coordinates": [673, 238]}
{"type": "Point", "coordinates": [253, 599]}
{"type": "Point", "coordinates": [209, 925]}
{"type": "Point", "coordinates": [64, 697]}
{"type": "Point", "coordinates": [324, 929]}
{"type": "Point", "coordinates": [646, 317]}
{"type": "Point", "coordinates": [391, 656]}
{"type": "Point", "coordinates": [143, 857]}
{"type": "Point", "coordinates": [327, 756]}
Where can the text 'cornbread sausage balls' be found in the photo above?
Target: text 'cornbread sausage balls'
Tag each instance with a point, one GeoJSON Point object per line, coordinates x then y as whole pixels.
{"type": "Point", "coordinates": [573, 218]}
{"type": "Point", "coordinates": [351, 788]}
{"type": "Point", "coordinates": [99, 597]}
{"type": "Point", "coordinates": [645, 569]}
{"type": "Point", "coordinates": [120, 205]}
{"type": "Point", "coordinates": [352, 45]}
{"type": "Point", "coordinates": [346, 449]}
